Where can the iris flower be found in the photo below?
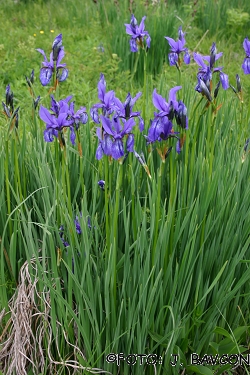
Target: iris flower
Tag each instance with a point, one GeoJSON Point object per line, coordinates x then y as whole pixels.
{"type": "Point", "coordinates": [176, 48]}
{"type": "Point", "coordinates": [106, 99]}
{"type": "Point", "coordinates": [137, 34]}
{"type": "Point", "coordinates": [161, 127]}
{"type": "Point", "coordinates": [53, 124]}
{"type": "Point", "coordinates": [246, 63]}
{"type": "Point", "coordinates": [111, 141]}
{"type": "Point", "coordinates": [125, 110]}
{"type": "Point", "coordinates": [63, 115]}
{"type": "Point", "coordinates": [206, 70]}
{"type": "Point", "coordinates": [54, 64]}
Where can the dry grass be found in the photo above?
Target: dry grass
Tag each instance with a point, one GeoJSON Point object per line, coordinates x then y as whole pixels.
{"type": "Point", "coordinates": [27, 330]}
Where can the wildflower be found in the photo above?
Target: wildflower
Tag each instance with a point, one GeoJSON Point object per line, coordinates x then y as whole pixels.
{"type": "Point", "coordinates": [125, 110]}
{"type": "Point", "coordinates": [9, 98]}
{"type": "Point", "coordinates": [36, 101]}
{"type": "Point", "coordinates": [107, 101]}
{"type": "Point", "coordinates": [206, 70]}
{"type": "Point", "coordinates": [80, 117]}
{"type": "Point", "coordinates": [54, 64]}
{"type": "Point", "coordinates": [101, 183]}
{"type": "Point", "coordinates": [246, 63]}
{"type": "Point", "coordinates": [137, 34]}
{"type": "Point", "coordinates": [53, 124]}
{"type": "Point", "coordinates": [176, 48]}
{"type": "Point", "coordinates": [161, 127]}
{"type": "Point", "coordinates": [63, 115]}
{"type": "Point", "coordinates": [61, 230]}
{"type": "Point", "coordinates": [57, 46]}
{"type": "Point", "coordinates": [111, 142]}
{"type": "Point", "coordinates": [77, 224]}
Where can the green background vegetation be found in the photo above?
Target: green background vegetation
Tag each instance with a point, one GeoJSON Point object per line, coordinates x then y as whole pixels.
{"type": "Point", "coordinates": [175, 278]}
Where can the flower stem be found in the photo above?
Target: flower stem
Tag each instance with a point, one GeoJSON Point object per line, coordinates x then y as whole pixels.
{"type": "Point", "coordinates": [6, 166]}
{"type": "Point", "coordinates": [135, 66]}
{"type": "Point", "coordinates": [144, 86]}
{"type": "Point", "coordinates": [115, 228]}
{"type": "Point", "coordinates": [107, 205]}
{"type": "Point", "coordinates": [157, 209]}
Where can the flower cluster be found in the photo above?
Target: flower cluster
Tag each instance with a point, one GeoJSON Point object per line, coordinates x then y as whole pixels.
{"type": "Point", "coordinates": [63, 116]}
{"type": "Point", "coordinates": [54, 64]}
{"type": "Point", "coordinates": [161, 127]}
{"type": "Point", "coordinates": [246, 63]}
{"type": "Point", "coordinates": [176, 48]}
{"type": "Point", "coordinates": [77, 228]}
{"type": "Point", "coordinates": [137, 33]}
{"type": "Point", "coordinates": [115, 134]}
{"type": "Point", "coordinates": [206, 70]}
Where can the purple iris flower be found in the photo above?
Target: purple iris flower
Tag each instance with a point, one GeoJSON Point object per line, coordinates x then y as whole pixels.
{"type": "Point", "coordinates": [107, 101]}
{"type": "Point", "coordinates": [61, 230]}
{"type": "Point", "coordinates": [53, 123]}
{"type": "Point", "coordinates": [78, 117]}
{"type": "Point", "coordinates": [161, 127]}
{"type": "Point", "coordinates": [9, 96]}
{"type": "Point", "coordinates": [176, 48]}
{"type": "Point", "coordinates": [137, 34]}
{"type": "Point", "coordinates": [54, 64]}
{"type": "Point", "coordinates": [125, 110]}
{"type": "Point", "coordinates": [206, 70]}
{"type": "Point", "coordinates": [246, 63]}
{"type": "Point", "coordinates": [111, 142]}
{"type": "Point", "coordinates": [57, 46]}
{"type": "Point", "coordinates": [101, 183]}
{"type": "Point", "coordinates": [63, 115]}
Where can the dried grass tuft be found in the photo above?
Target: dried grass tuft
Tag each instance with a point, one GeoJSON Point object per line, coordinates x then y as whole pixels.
{"type": "Point", "coordinates": [28, 329]}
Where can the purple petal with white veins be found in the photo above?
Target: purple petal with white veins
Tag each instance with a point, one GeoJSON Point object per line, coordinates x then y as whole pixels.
{"type": "Point", "coordinates": [107, 145]}
{"type": "Point", "coordinates": [117, 149]}
{"type": "Point", "coordinates": [72, 135]}
{"type": "Point", "coordinates": [99, 152]}
{"type": "Point", "coordinates": [62, 75]}
{"type": "Point", "coordinates": [246, 65]}
{"type": "Point", "coordinates": [224, 80]}
{"type": "Point", "coordinates": [133, 45]}
{"type": "Point", "coordinates": [130, 143]}
{"type": "Point", "coordinates": [246, 46]}
{"type": "Point", "coordinates": [45, 76]}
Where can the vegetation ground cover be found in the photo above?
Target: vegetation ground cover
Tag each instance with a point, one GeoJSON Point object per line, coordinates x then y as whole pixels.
{"type": "Point", "coordinates": [158, 257]}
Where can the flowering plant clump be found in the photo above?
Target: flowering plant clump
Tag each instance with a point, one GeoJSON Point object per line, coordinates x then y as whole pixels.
{"type": "Point", "coordinates": [62, 116]}
{"type": "Point", "coordinates": [206, 70]}
{"type": "Point", "coordinates": [176, 48]}
{"type": "Point", "coordinates": [161, 127]}
{"type": "Point", "coordinates": [246, 63]}
{"type": "Point", "coordinates": [54, 64]}
{"type": "Point", "coordinates": [138, 34]}
{"type": "Point", "coordinates": [115, 134]}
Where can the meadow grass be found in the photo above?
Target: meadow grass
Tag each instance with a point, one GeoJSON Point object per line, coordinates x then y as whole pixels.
{"type": "Point", "coordinates": [162, 264]}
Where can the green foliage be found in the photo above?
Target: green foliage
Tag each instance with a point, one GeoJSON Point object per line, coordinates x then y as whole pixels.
{"type": "Point", "coordinates": [164, 268]}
